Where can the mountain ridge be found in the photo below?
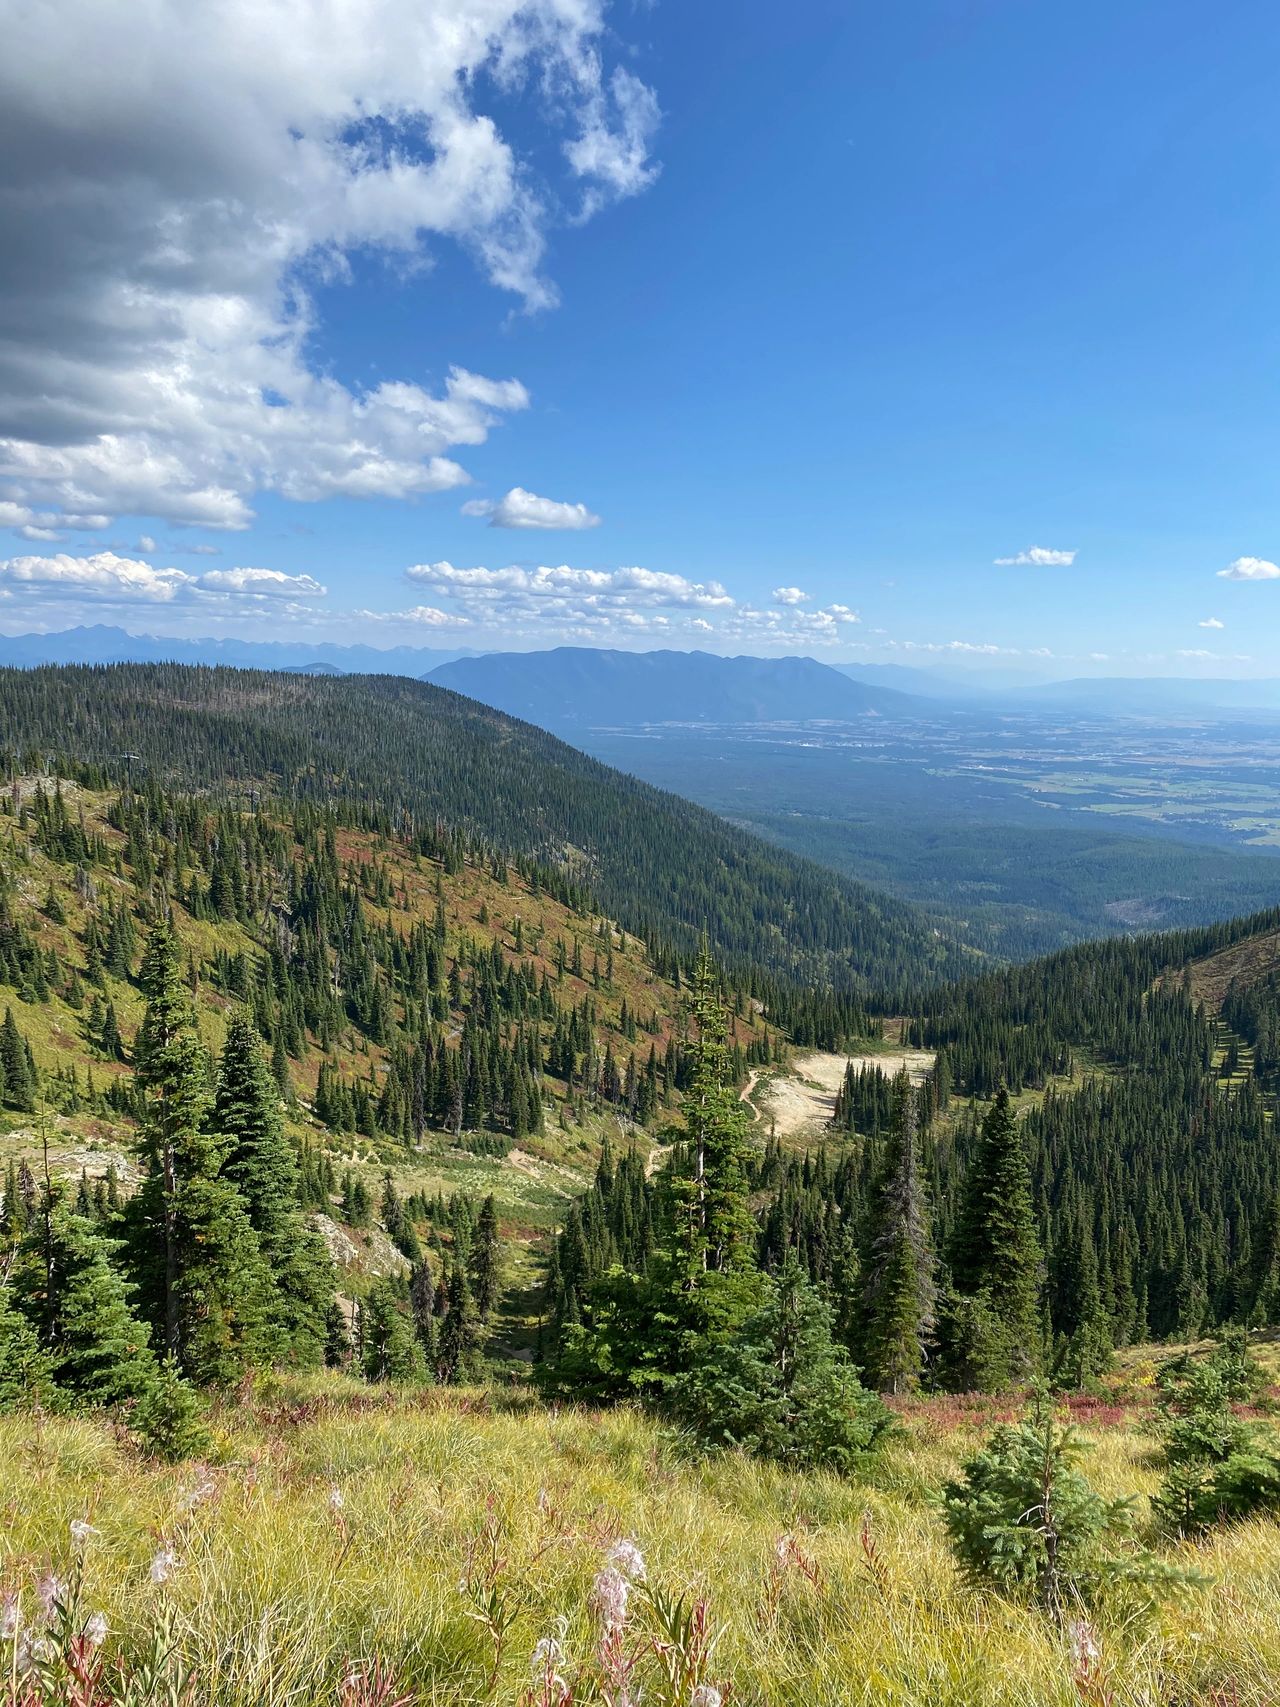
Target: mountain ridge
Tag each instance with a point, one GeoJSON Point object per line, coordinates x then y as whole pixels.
{"type": "Point", "coordinates": [571, 686]}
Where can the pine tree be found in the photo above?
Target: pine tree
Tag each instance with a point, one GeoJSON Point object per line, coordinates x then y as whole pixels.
{"type": "Point", "coordinates": [901, 1293]}
{"type": "Point", "coordinates": [262, 1165]}
{"type": "Point", "coordinates": [26, 1377]}
{"type": "Point", "coordinates": [1264, 1300]}
{"type": "Point", "coordinates": [422, 1303]}
{"type": "Point", "coordinates": [996, 1263]}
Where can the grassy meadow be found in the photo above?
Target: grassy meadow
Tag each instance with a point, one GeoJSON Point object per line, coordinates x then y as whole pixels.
{"type": "Point", "coordinates": [348, 1546]}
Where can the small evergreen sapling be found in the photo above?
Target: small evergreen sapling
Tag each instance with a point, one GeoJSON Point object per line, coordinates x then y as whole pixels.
{"type": "Point", "coordinates": [1217, 1465]}
{"type": "Point", "coordinates": [1023, 1516]}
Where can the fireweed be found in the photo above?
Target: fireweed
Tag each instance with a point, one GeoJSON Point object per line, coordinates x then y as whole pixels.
{"type": "Point", "coordinates": [274, 1593]}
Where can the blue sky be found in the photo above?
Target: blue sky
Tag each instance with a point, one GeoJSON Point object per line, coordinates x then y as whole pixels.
{"type": "Point", "coordinates": [782, 330]}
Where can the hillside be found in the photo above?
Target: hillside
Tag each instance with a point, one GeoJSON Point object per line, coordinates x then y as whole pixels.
{"type": "Point", "coordinates": [412, 755]}
{"type": "Point", "coordinates": [571, 687]}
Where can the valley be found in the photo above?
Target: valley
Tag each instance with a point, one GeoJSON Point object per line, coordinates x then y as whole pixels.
{"type": "Point", "coordinates": [744, 1246]}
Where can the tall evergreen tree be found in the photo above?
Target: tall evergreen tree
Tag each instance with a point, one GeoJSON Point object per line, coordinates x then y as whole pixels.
{"type": "Point", "coordinates": [262, 1165]}
{"type": "Point", "coordinates": [713, 1228]}
{"type": "Point", "coordinates": [390, 1350]}
{"type": "Point", "coordinates": [192, 1247]}
{"type": "Point", "coordinates": [485, 1256]}
{"type": "Point", "coordinates": [901, 1290]}
{"type": "Point", "coordinates": [78, 1305]}
{"type": "Point", "coordinates": [996, 1262]}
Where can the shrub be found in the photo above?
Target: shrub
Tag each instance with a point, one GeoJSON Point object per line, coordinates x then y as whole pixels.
{"type": "Point", "coordinates": [1217, 1465]}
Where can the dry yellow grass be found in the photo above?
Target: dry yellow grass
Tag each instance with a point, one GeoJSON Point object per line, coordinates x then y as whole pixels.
{"type": "Point", "coordinates": [280, 1584]}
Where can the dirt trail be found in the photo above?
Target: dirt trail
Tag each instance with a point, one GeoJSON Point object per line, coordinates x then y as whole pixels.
{"type": "Point", "coordinates": [805, 1101]}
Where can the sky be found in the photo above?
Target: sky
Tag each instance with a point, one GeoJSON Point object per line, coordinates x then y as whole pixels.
{"type": "Point", "coordinates": [938, 333]}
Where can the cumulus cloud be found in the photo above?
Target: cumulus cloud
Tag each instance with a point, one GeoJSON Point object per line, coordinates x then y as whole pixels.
{"type": "Point", "coordinates": [175, 194]}
{"type": "Point", "coordinates": [790, 627]}
{"type": "Point", "coordinates": [1211, 622]}
{"type": "Point", "coordinates": [788, 596]}
{"type": "Point", "coordinates": [269, 583]}
{"type": "Point", "coordinates": [1039, 557]}
{"type": "Point", "coordinates": [420, 616]}
{"type": "Point", "coordinates": [562, 588]}
{"type": "Point", "coordinates": [521, 509]}
{"type": "Point", "coordinates": [113, 579]}
{"type": "Point", "coordinates": [102, 574]}
{"type": "Point", "coordinates": [1250, 569]}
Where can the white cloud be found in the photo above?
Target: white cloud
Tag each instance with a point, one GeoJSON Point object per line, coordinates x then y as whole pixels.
{"type": "Point", "coordinates": [128, 580]}
{"type": "Point", "coordinates": [521, 509]}
{"type": "Point", "coordinates": [269, 583]}
{"type": "Point", "coordinates": [421, 616]}
{"type": "Point", "coordinates": [104, 573]}
{"type": "Point", "coordinates": [612, 151]}
{"type": "Point", "coordinates": [1211, 622]}
{"type": "Point", "coordinates": [180, 180]}
{"type": "Point", "coordinates": [528, 589]}
{"type": "Point", "coordinates": [1194, 652]}
{"type": "Point", "coordinates": [146, 544]}
{"type": "Point", "coordinates": [1250, 569]}
{"type": "Point", "coordinates": [788, 596]}
{"type": "Point", "coordinates": [1039, 557]}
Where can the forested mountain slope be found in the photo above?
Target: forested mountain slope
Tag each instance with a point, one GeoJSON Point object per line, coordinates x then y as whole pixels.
{"type": "Point", "coordinates": [415, 758]}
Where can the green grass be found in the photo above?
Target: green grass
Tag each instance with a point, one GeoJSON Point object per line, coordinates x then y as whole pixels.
{"type": "Point", "coordinates": [276, 1591]}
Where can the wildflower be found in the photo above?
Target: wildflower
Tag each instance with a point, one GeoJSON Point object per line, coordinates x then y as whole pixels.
{"type": "Point", "coordinates": [609, 1594]}
{"type": "Point", "coordinates": [8, 1616]}
{"type": "Point", "coordinates": [626, 1558]}
{"type": "Point", "coordinates": [95, 1629]}
{"type": "Point", "coordinates": [336, 1499]}
{"type": "Point", "coordinates": [164, 1565]}
{"type": "Point", "coordinates": [1082, 1639]}
{"type": "Point", "coordinates": [50, 1591]}
{"type": "Point", "coordinates": [33, 1650]}
{"type": "Point", "coordinates": [706, 1695]}
{"type": "Point", "coordinates": [81, 1530]}
{"type": "Point", "coordinates": [198, 1495]}
{"type": "Point", "coordinates": [548, 1655]}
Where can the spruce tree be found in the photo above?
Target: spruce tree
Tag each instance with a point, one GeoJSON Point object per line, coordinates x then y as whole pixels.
{"type": "Point", "coordinates": [901, 1292]}
{"type": "Point", "coordinates": [26, 1377]}
{"type": "Point", "coordinates": [192, 1247]}
{"type": "Point", "coordinates": [996, 1262]}
{"type": "Point", "coordinates": [262, 1165]}
{"type": "Point", "coordinates": [78, 1306]}
{"type": "Point", "coordinates": [484, 1259]}
{"type": "Point", "coordinates": [460, 1332]}
{"type": "Point", "coordinates": [390, 1351]}
{"type": "Point", "coordinates": [714, 1231]}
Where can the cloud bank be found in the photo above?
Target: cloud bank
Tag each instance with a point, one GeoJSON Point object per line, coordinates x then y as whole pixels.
{"type": "Point", "coordinates": [167, 213]}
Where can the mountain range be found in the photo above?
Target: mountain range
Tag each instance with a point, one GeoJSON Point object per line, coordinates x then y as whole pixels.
{"type": "Point", "coordinates": [584, 687]}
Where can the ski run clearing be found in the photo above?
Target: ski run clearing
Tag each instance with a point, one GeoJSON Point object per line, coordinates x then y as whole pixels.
{"type": "Point", "coordinates": [805, 1101]}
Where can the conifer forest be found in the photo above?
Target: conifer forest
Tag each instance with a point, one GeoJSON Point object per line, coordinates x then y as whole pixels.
{"type": "Point", "coordinates": [395, 1118]}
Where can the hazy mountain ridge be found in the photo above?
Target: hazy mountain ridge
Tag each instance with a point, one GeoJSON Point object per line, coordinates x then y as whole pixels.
{"type": "Point", "coordinates": [574, 685]}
